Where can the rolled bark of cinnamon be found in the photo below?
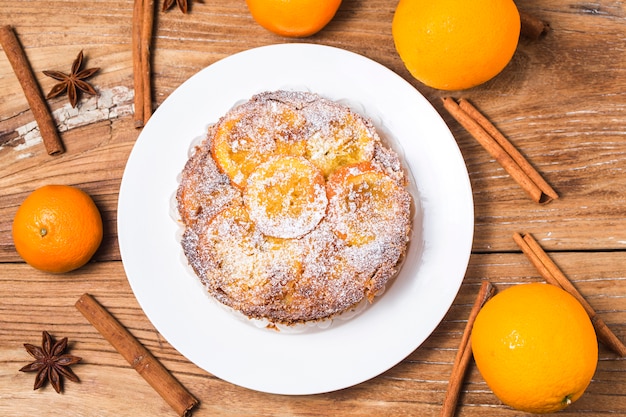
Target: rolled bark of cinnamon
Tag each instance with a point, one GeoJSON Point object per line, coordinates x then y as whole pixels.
{"type": "Point", "coordinates": [464, 354]}
{"type": "Point", "coordinates": [32, 91]}
{"type": "Point", "coordinates": [142, 30]}
{"type": "Point", "coordinates": [137, 30]}
{"type": "Point", "coordinates": [532, 27]}
{"type": "Point", "coordinates": [500, 149]}
{"type": "Point", "coordinates": [146, 67]}
{"type": "Point", "coordinates": [137, 356]}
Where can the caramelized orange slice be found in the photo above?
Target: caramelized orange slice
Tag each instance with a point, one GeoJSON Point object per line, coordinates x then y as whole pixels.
{"type": "Point", "coordinates": [347, 140]}
{"type": "Point", "coordinates": [203, 190]}
{"type": "Point", "coordinates": [286, 197]}
{"type": "Point", "coordinates": [366, 205]}
{"type": "Point", "coordinates": [253, 133]}
{"type": "Point", "coordinates": [240, 262]}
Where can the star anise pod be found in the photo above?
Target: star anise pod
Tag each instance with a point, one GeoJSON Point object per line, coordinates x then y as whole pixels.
{"type": "Point", "coordinates": [72, 82]}
{"type": "Point", "coordinates": [182, 4]}
{"type": "Point", "coordinates": [50, 362]}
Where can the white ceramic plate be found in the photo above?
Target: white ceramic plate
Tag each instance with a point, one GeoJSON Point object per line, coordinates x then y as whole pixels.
{"type": "Point", "coordinates": [348, 352]}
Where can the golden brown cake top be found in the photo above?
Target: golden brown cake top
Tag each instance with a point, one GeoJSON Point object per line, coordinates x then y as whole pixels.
{"type": "Point", "coordinates": [293, 208]}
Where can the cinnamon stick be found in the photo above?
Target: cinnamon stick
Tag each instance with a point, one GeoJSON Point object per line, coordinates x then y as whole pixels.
{"type": "Point", "coordinates": [500, 149]}
{"type": "Point", "coordinates": [36, 101]}
{"type": "Point", "coordinates": [464, 354]}
{"type": "Point", "coordinates": [532, 27]}
{"type": "Point", "coordinates": [553, 275]}
{"type": "Point", "coordinates": [146, 68]}
{"type": "Point", "coordinates": [142, 30]}
{"type": "Point", "coordinates": [137, 355]}
{"type": "Point", "coordinates": [137, 26]}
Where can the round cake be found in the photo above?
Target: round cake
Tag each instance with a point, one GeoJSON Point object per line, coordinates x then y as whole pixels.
{"type": "Point", "coordinates": [293, 209]}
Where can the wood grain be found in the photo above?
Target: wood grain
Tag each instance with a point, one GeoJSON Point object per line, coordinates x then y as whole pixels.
{"type": "Point", "coordinates": [416, 386]}
{"type": "Point", "coordinates": [560, 101]}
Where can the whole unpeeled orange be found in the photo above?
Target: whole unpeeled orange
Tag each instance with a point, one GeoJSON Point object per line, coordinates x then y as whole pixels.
{"type": "Point", "coordinates": [535, 346]}
{"type": "Point", "coordinates": [455, 44]}
{"type": "Point", "coordinates": [57, 228]}
{"type": "Point", "coordinates": [293, 18]}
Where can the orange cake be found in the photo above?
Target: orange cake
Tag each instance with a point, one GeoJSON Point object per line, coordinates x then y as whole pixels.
{"type": "Point", "coordinates": [293, 209]}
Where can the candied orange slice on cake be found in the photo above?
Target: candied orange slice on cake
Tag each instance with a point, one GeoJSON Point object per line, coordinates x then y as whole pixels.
{"type": "Point", "coordinates": [286, 197]}
{"type": "Point", "coordinates": [254, 132]}
{"type": "Point", "coordinates": [347, 140]}
{"type": "Point", "coordinates": [367, 205]}
{"type": "Point", "coordinates": [237, 263]}
{"type": "Point", "coordinates": [204, 190]}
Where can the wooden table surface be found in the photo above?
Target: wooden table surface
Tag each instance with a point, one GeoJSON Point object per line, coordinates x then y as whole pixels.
{"type": "Point", "coordinates": [561, 101]}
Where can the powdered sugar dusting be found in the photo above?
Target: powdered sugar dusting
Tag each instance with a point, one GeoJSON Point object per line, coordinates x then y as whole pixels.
{"type": "Point", "coordinates": [306, 217]}
{"type": "Point", "coordinates": [286, 197]}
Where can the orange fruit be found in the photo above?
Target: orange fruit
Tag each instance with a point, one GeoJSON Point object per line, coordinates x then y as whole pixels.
{"type": "Point", "coordinates": [57, 228]}
{"type": "Point", "coordinates": [455, 44]}
{"type": "Point", "coordinates": [293, 18]}
{"type": "Point", "coordinates": [535, 346]}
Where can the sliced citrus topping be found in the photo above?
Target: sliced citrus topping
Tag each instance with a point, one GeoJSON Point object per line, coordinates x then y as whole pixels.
{"type": "Point", "coordinates": [286, 197]}
{"type": "Point", "coordinates": [245, 260]}
{"type": "Point", "coordinates": [367, 205]}
{"type": "Point", "coordinates": [254, 133]}
{"type": "Point", "coordinates": [345, 141]}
